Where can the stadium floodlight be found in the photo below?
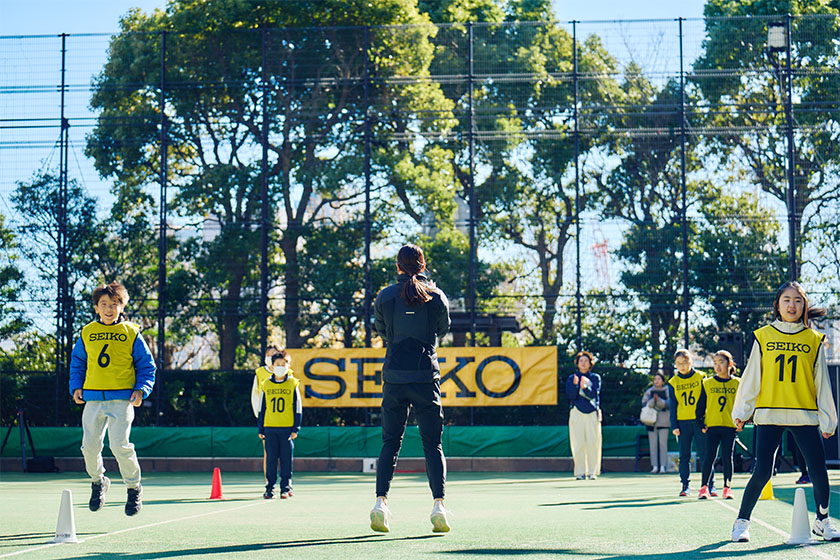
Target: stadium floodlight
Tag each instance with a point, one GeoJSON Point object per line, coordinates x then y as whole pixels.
{"type": "Point", "coordinates": [776, 36]}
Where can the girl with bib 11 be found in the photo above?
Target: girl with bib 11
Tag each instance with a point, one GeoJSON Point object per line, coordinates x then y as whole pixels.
{"type": "Point", "coordinates": [785, 386]}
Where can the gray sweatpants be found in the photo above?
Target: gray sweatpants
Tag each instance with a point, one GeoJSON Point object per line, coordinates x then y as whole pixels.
{"type": "Point", "coordinates": [115, 417]}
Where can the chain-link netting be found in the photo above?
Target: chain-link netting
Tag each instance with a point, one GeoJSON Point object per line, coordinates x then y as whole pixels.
{"type": "Point", "coordinates": [627, 187]}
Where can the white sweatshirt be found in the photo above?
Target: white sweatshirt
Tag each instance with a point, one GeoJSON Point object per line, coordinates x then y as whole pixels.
{"type": "Point", "coordinates": [747, 395]}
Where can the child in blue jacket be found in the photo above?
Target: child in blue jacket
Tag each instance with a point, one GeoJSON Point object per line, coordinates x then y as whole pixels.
{"type": "Point", "coordinates": [111, 372]}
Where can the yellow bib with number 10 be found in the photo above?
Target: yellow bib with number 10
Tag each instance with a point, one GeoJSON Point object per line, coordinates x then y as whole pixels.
{"type": "Point", "coordinates": [279, 402]}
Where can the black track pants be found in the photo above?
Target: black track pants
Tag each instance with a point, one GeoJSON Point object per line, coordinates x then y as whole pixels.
{"type": "Point", "coordinates": [396, 399]}
{"type": "Point", "coordinates": [767, 440]}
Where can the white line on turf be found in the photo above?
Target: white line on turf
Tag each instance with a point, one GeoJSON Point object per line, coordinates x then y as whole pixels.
{"type": "Point", "coordinates": [776, 530]}
{"type": "Point", "coordinates": [86, 539]}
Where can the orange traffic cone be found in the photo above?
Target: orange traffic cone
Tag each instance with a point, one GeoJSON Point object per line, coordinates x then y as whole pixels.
{"type": "Point", "coordinates": [216, 489]}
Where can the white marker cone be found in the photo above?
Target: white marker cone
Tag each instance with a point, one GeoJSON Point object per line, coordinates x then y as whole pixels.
{"type": "Point", "coordinates": [65, 530]}
{"type": "Point", "coordinates": [800, 530]}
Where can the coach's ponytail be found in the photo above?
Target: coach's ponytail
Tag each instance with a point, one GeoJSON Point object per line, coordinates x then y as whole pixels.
{"type": "Point", "coordinates": [412, 262]}
{"type": "Point", "coordinates": [809, 311]}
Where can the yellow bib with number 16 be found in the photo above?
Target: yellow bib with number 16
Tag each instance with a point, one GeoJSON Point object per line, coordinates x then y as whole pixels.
{"type": "Point", "coordinates": [687, 391]}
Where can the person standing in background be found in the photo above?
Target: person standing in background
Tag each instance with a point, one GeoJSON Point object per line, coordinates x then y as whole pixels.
{"type": "Point", "coordinates": [683, 392]}
{"type": "Point", "coordinates": [583, 388]}
{"type": "Point", "coordinates": [656, 397]}
{"type": "Point", "coordinates": [714, 419]}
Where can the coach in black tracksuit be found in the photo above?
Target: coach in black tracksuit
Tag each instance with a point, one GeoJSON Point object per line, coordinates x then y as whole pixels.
{"type": "Point", "coordinates": [410, 316]}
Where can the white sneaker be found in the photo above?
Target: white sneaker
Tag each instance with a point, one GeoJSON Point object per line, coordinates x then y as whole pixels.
{"type": "Point", "coordinates": [380, 517]}
{"type": "Point", "coordinates": [654, 470]}
{"type": "Point", "coordinates": [439, 522]}
{"type": "Point", "coordinates": [661, 470]}
{"type": "Point", "coordinates": [825, 528]}
{"type": "Point", "coordinates": [741, 530]}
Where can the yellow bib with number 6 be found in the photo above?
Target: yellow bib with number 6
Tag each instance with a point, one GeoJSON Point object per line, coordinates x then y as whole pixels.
{"type": "Point", "coordinates": [110, 365]}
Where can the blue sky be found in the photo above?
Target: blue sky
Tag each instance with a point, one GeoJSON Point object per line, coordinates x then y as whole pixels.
{"type": "Point", "coordinates": [48, 17]}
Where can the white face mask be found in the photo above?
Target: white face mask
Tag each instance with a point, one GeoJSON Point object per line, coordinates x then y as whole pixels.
{"type": "Point", "coordinates": [280, 370]}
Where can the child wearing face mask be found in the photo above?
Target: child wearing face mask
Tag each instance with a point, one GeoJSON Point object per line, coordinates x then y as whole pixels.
{"type": "Point", "coordinates": [260, 375]}
{"type": "Point", "coordinates": [279, 420]}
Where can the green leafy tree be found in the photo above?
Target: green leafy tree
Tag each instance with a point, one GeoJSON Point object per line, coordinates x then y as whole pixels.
{"type": "Point", "coordinates": [533, 201]}
{"type": "Point", "coordinates": [736, 262]}
{"type": "Point", "coordinates": [38, 201]}
{"type": "Point", "coordinates": [523, 148]}
{"type": "Point", "coordinates": [12, 319]}
{"type": "Point", "coordinates": [610, 341]}
{"type": "Point", "coordinates": [314, 101]}
{"type": "Point", "coordinates": [13, 322]}
{"type": "Point", "coordinates": [645, 192]}
{"type": "Point", "coordinates": [744, 84]}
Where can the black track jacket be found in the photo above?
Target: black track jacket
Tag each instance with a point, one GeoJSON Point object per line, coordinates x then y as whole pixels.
{"type": "Point", "coordinates": [410, 333]}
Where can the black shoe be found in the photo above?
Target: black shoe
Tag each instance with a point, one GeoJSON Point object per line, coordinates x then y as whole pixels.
{"type": "Point", "coordinates": [97, 493]}
{"type": "Point", "coordinates": [686, 491]}
{"type": "Point", "coordinates": [134, 501]}
{"type": "Point", "coordinates": [269, 494]}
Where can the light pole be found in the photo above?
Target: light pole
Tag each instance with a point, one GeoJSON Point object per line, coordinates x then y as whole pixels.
{"type": "Point", "coordinates": [778, 40]}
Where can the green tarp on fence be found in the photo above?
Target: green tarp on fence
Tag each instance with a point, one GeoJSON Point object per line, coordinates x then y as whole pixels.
{"type": "Point", "coordinates": [458, 441]}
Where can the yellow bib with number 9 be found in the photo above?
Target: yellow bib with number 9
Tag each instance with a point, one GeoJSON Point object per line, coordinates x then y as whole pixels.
{"type": "Point", "coordinates": [720, 398]}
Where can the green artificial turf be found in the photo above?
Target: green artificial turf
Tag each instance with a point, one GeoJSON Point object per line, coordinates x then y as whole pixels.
{"type": "Point", "coordinates": [497, 515]}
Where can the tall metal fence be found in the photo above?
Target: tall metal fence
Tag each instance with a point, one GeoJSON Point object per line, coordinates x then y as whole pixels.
{"type": "Point", "coordinates": [628, 187]}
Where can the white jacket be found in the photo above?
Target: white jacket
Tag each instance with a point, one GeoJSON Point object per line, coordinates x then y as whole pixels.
{"type": "Point", "coordinates": [747, 395]}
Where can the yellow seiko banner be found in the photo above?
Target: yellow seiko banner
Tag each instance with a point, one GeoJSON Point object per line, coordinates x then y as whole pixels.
{"type": "Point", "coordinates": [469, 376]}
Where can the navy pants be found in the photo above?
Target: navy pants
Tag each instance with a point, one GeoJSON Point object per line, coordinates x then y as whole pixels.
{"type": "Point", "coordinates": [688, 432]}
{"type": "Point", "coordinates": [428, 410]}
{"type": "Point", "coordinates": [767, 440]}
{"type": "Point", "coordinates": [279, 447]}
{"type": "Point", "coordinates": [724, 437]}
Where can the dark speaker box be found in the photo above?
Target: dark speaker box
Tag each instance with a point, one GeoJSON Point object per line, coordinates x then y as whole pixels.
{"type": "Point", "coordinates": [41, 465]}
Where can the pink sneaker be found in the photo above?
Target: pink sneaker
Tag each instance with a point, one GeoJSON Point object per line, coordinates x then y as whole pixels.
{"type": "Point", "coordinates": [727, 493]}
{"type": "Point", "coordinates": [704, 493]}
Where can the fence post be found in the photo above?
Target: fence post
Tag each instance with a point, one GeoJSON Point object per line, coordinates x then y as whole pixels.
{"type": "Point", "coordinates": [368, 288]}
{"type": "Point", "coordinates": [63, 325]}
{"type": "Point", "coordinates": [791, 164]}
{"type": "Point", "coordinates": [578, 296]}
{"type": "Point", "coordinates": [264, 214]}
{"type": "Point", "coordinates": [161, 311]}
{"type": "Point", "coordinates": [473, 206]}
{"type": "Point", "coordinates": [686, 295]}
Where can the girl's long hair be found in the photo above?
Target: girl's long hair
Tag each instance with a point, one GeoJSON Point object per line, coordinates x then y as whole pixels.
{"type": "Point", "coordinates": [807, 311]}
{"type": "Point", "coordinates": [412, 262]}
